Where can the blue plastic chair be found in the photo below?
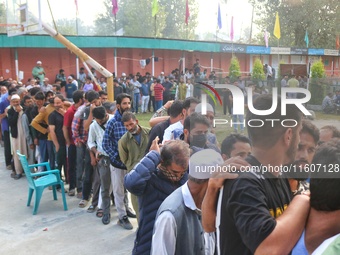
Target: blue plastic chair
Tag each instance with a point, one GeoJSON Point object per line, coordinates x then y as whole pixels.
{"type": "Point", "coordinates": [46, 179]}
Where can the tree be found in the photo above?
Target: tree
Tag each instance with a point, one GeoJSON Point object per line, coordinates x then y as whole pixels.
{"type": "Point", "coordinates": [258, 72]}
{"type": "Point", "coordinates": [319, 17]}
{"type": "Point", "coordinates": [234, 69]}
{"type": "Point", "coordinates": [3, 17]}
{"type": "Point", "coordinates": [317, 85]}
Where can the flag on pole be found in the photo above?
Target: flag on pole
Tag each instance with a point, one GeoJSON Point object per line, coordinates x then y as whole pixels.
{"type": "Point", "coordinates": [266, 37]}
{"type": "Point", "coordinates": [155, 8]}
{"type": "Point", "coordinates": [306, 39]}
{"type": "Point", "coordinates": [232, 29]}
{"type": "Point", "coordinates": [114, 7]}
{"type": "Point", "coordinates": [187, 13]}
{"type": "Point", "coordinates": [277, 29]}
{"type": "Point", "coordinates": [76, 3]}
{"type": "Point", "coordinates": [219, 18]}
{"type": "Point", "coordinates": [337, 42]}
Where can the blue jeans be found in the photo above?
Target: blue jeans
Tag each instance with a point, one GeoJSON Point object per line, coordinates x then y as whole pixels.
{"type": "Point", "coordinates": [136, 101]}
{"type": "Point", "coordinates": [238, 120]}
{"type": "Point", "coordinates": [159, 104]}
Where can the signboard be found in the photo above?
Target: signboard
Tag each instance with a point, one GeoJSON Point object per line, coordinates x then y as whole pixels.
{"type": "Point", "coordinates": [236, 48]}
{"type": "Point", "coordinates": [279, 50]}
{"type": "Point", "coordinates": [258, 50]}
{"type": "Point", "coordinates": [298, 51]}
{"type": "Point", "coordinates": [318, 52]}
{"type": "Point", "coordinates": [328, 52]}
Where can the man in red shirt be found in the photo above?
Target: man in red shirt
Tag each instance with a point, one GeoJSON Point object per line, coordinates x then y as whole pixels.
{"type": "Point", "coordinates": [158, 88]}
{"type": "Point", "coordinates": [78, 98]}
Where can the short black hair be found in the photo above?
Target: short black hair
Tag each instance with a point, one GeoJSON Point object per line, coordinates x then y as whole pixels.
{"type": "Point", "coordinates": [92, 95]}
{"type": "Point", "coordinates": [176, 108]}
{"type": "Point", "coordinates": [99, 112]}
{"type": "Point", "coordinates": [34, 91]}
{"type": "Point", "coordinates": [195, 118]}
{"type": "Point", "coordinates": [325, 185]}
{"type": "Point", "coordinates": [39, 96]}
{"type": "Point", "coordinates": [102, 92]}
{"type": "Point", "coordinates": [77, 95]}
{"type": "Point", "coordinates": [268, 134]}
{"type": "Point", "coordinates": [227, 145]}
{"type": "Point", "coordinates": [26, 98]}
{"type": "Point", "coordinates": [128, 116]}
{"type": "Point", "coordinates": [121, 96]}
{"type": "Point", "coordinates": [12, 91]}
{"type": "Point", "coordinates": [57, 87]}
{"type": "Point", "coordinates": [188, 101]}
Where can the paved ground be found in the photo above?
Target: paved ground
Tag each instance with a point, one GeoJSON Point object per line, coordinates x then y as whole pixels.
{"type": "Point", "coordinates": [54, 231]}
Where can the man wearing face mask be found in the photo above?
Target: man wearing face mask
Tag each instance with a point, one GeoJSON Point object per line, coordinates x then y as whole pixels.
{"type": "Point", "coordinates": [132, 145]}
{"type": "Point", "coordinates": [196, 127]}
{"type": "Point", "coordinates": [156, 176]}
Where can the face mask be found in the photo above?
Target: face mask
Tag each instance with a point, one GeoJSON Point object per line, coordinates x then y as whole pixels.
{"type": "Point", "coordinates": [198, 140]}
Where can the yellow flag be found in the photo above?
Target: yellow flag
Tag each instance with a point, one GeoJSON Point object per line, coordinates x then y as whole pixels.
{"type": "Point", "coordinates": [277, 30]}
{"type": "Point", "coordinates": [155, 8]}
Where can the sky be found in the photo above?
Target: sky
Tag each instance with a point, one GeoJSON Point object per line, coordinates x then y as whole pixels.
{"type": "Point", "coordinates": [88, 9]}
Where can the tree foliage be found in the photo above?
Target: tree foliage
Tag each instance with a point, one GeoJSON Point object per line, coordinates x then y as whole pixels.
{"type": "Point", "coordinates": [3, 16]}
{"type": "Point", "coordinates": [135, 19]}
{"type": "Point", "coordinates": [234, 69]}
{"type": "Point", "coordinates": [317, 86]}
{"type": "Point", "coordinates": [258, 72]}
{"type": "Point", "coordinates": [319, 17]}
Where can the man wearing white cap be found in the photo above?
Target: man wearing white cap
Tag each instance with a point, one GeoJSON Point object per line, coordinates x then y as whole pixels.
{"type": "Point", "coordinates": [178, 228]}
{"type": "Point", "coordinates": [18, 142]}
{"type": "Point", "coordinates": [161, 77]}
{"type": "Point", "coordinates": [38, 71]}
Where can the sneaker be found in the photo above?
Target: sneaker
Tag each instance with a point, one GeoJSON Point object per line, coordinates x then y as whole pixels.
{"type": "Point", "coordinates": [125, 223]}
{"type": "Point", "coordinates": [83, 203]}
{"type": "Point", "coordinates": [130, 214]}
{"type": "Point", "coordinates": [106, 218]}
{"type": "Point", "coordinates": [72, 192]}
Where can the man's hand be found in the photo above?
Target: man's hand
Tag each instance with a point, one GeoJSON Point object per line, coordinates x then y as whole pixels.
{"type": "Point", "coordinates": [42, 109]}
{"type": "Point", "coordinates": [155, 146]}
{"type": "Point", "coordinates": [32, 146]}
{"type": "Point", "coordinates": [36, 141]}
{"type": "Point", "coordinates": [168, 104]}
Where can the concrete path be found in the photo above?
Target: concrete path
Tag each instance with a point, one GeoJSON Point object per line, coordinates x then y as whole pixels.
{"type": "Point", "coordinates": [55, 231]}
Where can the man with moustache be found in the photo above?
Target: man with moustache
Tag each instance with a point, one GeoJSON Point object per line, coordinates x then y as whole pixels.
{"type": "Point", "coordinates": [252, 203]}
{"type": "Point", "coordinates": [115, 129]}
{"type": "Point", "coordinates": [309, 137]}
{"type": "Point", "coordinates": [132, 146]}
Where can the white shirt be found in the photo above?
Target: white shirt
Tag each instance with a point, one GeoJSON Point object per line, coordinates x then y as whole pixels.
{"type": "Point", "coordinates": [322, 247]}
{"type": "Point", "coordinates": [168, 131]}
{"type": "Point", "coordinates": [190, 90]}
{"type": "Point", "coordinates": [75, 82]}
{"type": "Point", "coordinates": [165, 229]}
{"type": "Point", "coordinates": [96, 134]}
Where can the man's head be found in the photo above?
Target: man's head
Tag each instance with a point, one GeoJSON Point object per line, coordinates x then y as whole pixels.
{"type": "Point", "coordinates": [210, 115]}
{"type": "Point", "coordinates": [100, 115]}
{"type": "Point", "coordinates": [123, 101]}
{"type": "Point", "coordinates": [88, 80]}
{"type": "Point", "coordinates": [61, 71]}
{"type": "Point", "coordinates": [103, 96]}
{"type": "Point", "coordinates": [27, 100]}
{"type": "Point", "coordinates": [93, 97]}
{"type": "Point", "coordinates": [325, 184]}
{"type": "Point", "coordinates": [327, 133]}
{"type": "Point", "coordinates": [46, 81]}
{"type": "Point", "coordinates": [49, 95]}
{"type": "Point", "coordinates": [235, 145]}
{"type": "Point", "coordinates": [59, 102]}
{"type": "Point", "coordinates": [130, 122]}
{"type": "Point", "coordinates": [195, 130]}
{"type": "Point", "coordinates": [266, 134]}
{"type": "Point", "coordinates": [81, 70]}
{"type": "Point", "coordinates": [174, 159]}
{"type": "Point", "coordinates": [3, 90]}
{"type": "Point", "coordinates": [78, 96]}
{"type": "Point", "coordinates": [39, 63]}
{"type": "Point", "coordinates": [39, 99]}
{"type": "Point", "coordinates": [69, 79]}
{"type": "Point", "coordinates": [56, 88]}
{"type": "Point", "coordinates": [176, 111]}
{"type": "Point", "coordinates": [110, 107]}
{"type": "Point", "coordinates": [189, 105]}
{"type": "Point", "coordinates": [15, 100]}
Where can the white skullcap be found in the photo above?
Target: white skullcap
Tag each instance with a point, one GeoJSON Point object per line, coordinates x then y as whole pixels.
{"type": "Point", "coordinates": [123, 74]}
{"type": "Point", "coordinates": [204, 163]}
{"type": "Point", "coordinates": [198, 108]}
{"type": "Point", "coordinates": [39, 62]}
{"type": "Point", "coordinates": [15, 96]}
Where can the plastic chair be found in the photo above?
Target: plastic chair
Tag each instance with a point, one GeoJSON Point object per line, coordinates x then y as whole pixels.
{"type": "Point", "coordinates": [46, 179]}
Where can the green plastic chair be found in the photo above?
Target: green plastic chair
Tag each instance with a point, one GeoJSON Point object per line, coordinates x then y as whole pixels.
{"type": "Point", "coordinates": [46, 179]}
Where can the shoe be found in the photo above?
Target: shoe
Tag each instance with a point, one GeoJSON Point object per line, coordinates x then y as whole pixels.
{"type": "Point", "coordinates": [83, 203]}
{"type": "Point", "coordinates": [59, 190]}
{"type": "Point", "coordinates": [50, 187]}
{"type": "Point", "coordinates": [72, 192]}
{"type": "Point", "coordinates": [130, 214]}
{"type": "Point", "coordinates": [91, 209]}
{"type": "Point", "coordinates": [99, 213]}
{"type": "Point", "coordinates": [80, 195]}
{"type": "Point", "coordinates": [13, 174]}
{"type": "Point", "coordinates": [106, 218]}
{"type": "Point", "coordinates": [9, 167]}
{"type": "Point", "coordinates": [125, 223]}
{"type": "Point", "coordinates": [17, 176]}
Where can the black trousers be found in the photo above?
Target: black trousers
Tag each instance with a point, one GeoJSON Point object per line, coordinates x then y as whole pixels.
{"type": "Point", "coordinates": [7, 148]}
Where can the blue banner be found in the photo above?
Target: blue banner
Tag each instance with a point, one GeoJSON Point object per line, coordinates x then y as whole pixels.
{"type": "Point", "coordinates": [258, 50]}
{"type": "Point", "coordinates": [318, 52]}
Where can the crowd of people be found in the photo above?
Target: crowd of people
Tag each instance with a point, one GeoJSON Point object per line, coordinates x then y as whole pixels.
{"type": "Point", "coordinates": [102, 153]}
